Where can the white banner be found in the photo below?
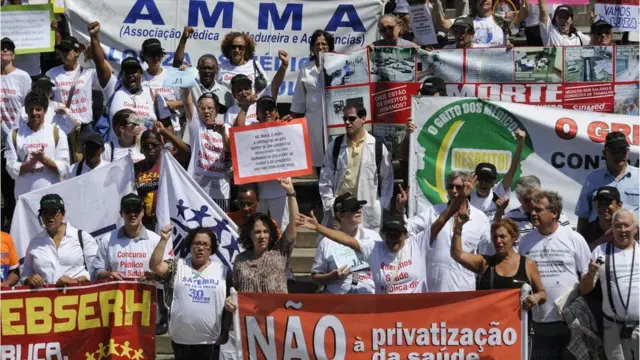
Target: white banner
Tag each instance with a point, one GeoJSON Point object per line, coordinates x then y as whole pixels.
{"type": "Point", "coordinates": [92, 203]}
{"type": "Point", "coordinates": [275, 25]}
{"type": "Point", "coordinates": [183, 204]}
{"type": "Point", "coordinates": [562, 146]}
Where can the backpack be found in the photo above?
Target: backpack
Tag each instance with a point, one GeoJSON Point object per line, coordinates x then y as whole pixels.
{"type": "Point", "coordinates": [336, 151]}
{"type": "Point", "coordinates": [103, 125]}
{"type": "Point", "coordinates": [14, 138]}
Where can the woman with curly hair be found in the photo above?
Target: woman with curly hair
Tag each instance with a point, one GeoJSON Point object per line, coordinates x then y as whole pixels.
{"type": "Point", "coordinates": [238, 48]}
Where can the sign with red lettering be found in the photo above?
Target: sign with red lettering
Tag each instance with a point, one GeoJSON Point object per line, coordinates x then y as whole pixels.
{"type": "Point", "coordinates": [270, 150]}
{"type": "Point", "coordinates": [114, 320]}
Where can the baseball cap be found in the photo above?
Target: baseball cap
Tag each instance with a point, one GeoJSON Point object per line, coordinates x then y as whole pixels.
{"type": "Point", "coordinates": [93, 138]}
{"type": "Point", "coordinates": [463, 21]}
{"type": "Point", "coordinates": [616, 139]}
{"type": "Point", "coordinates": [433, 85]}
{"type": "Point", "coordinates": [69, 43]}
{"type": "Point", "coordinates": [51, 202]}
{"type": "Point", "coordinates": [486, 169]}
{"type": "Point", "coordinates": [566, 8]}
{"type": "Point", "coordinates": [347, 202]}
{"type": "Point", "coordinates": [42, 80]}
{"type": "Point", "coordinates": [240, 79]}
{"type": "Point", "coordinates": [608, 192]}
{"type": "Point", "coordinates": [394, 223]}
{"type": "Point", "coordinates": [8, 44]}
{"type": "Point", "coordinates": [130, 200]}
{"type": "Point", "coordinates": [266, 102]}
{"type": "Point", "coordinates": [152, 46]}
{"type": "Point", "coordinates": [131, 63]}
{"type": "Point", "coordinates": [209, 95]}
{"type": "Point", "coordinates": [600, 25]}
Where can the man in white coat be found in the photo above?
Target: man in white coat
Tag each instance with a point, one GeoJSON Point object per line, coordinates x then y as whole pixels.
{"type": "Point", "coordinates": [360, 165]}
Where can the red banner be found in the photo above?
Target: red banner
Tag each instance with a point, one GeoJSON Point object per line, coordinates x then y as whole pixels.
{"type": "Point", "coordinates": [462, 326]}
{"type": "Point", "coordinates": [113, 320]}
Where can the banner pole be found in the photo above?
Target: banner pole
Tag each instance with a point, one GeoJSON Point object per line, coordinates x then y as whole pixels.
{"type": "Point", "coordinates": [524, 291]}
{"type": "Point", "coordinates": [236, 323]}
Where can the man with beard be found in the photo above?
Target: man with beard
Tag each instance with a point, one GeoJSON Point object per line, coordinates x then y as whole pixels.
{"type": "Point", "coordinates": [617, 173]}
{"type": "Point", "coordinates": [560, 32]}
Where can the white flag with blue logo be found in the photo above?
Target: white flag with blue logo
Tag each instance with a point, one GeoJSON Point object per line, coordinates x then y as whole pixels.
{"type": "Point", "coordinates": [183, 204]}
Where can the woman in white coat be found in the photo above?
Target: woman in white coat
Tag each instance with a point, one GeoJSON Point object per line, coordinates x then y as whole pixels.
{"type": "Point", "coordinates": [307, 97]}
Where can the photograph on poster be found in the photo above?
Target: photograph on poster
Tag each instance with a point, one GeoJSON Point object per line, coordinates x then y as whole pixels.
{"type": "Point", "coordinates": [392, 136]}
{"type": "Point", "coordinates": [346, 69]}
{"type": "Point", "coordinates": [538, 64]}
{"type": "Point", "coordinates": [392, 64]}
{"type": "Point", "coordinates": [627, 63]}
{"type": "Point", "coordinates": [337, 99]}
{"type": "Point", "coordinates": [445, 64]}
{"type": "Point", "coordinates": [489, 65]}
{"type": "Point", "coordinates": [588, 64]}
{"type": "Point", "coordinates": [626, 99]}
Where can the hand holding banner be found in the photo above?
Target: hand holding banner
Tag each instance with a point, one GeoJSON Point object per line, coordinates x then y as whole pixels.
{"type": "Point", "coordinates": [270, 151]}
{"type": "Point", "coordinates": [180, 78]}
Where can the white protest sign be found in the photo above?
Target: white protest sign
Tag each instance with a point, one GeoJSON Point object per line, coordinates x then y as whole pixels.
{"type": "Point", "coordinates": [422, 24]}
{"type": "Point", "coordinates": [29, 27]}
{"type": "Point", "coordinates": [180, 78]}
{"type": "Point", "coordinates": [623, 15]}
{"type": "Point", "coordinates": [270, 150]}
{"type": "Point", "coordinates": [343, 255]}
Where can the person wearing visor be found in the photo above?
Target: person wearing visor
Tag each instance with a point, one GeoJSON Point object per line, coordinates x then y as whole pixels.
{"type": "Point", "coordinates": [337, 267]}
{"type": "Point", "coordinates": [92, 150]}
{"type": "Point", "coordinates": [463, 33]}
{"type": "Point", "coordinates": [560, 31]}
{"type": "Point", "coordinates": [153, 80]}
{"type": "Point", "coordinates": [601, 33]}
{"type": "Point", "coordinates": [397, 259]}
{"type": "Point", "coordinates": [617, 173]}
{"type": "Point", "coordinates": [61, 254]}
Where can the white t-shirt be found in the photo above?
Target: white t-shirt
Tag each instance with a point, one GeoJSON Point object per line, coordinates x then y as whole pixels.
{"type": "Point", "coordinates": [28, 142]}
{"type": "Point", "coordinates": [168, 93]}
{"type": "Point", "coordinates": [85, 168]}
{"type": "Point", "coordinates": [560, 257]}
{"type": "Point", "coordinates": [486, 204]}
{"type": "Point", "coordinates": [443, 273]}
{"type": "Point", "coordinates": [488, 33]}
{"type": "Point", "coordinates": [81, 103]}
{"type": "Point", "coordinates": [623, 267]}
{"type": "Point", "coordinates": [222, 91]}
{"type": "Point", "coordinates": [227, 71]}
{"type": "Point", "coordinates": [552, 37]}
{"type": "Point", "coordinates": [119, 152]}
{"type": "Point", "coordinates": [252, 112]}
{"type": "Point", "coordinates": [141, 103]}
{"type": "Point", "coordinates": [13, 88]}
{"type": "Point", "coordinates": [208, 163]}
{"type": "Point", "coordinates": [198, 302]}
{"type": "Point", "coordinates": [402, 272]}
{"type": "Point", "coordinates": [331, 256]}
{"type": "Point", "coordinates": [524, 222]}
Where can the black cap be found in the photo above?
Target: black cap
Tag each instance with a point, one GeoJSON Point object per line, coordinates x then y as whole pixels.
{"type": "Point", "coordinates": [93, 138]}
{"type": "Point", "coordinates": [221, 109]}
{"type": "Point", "coordinates": [600, 25]}
{"type": "Point", "coordinates": [69, 43]}
{"type": "Point", "coordinates": [51, 202]}
{"type": "Point", "coordinates": [130, 63]}
{"type": "Point", "coordinates": [347, 202]}
{"type": "Point", "coordinates": [486, 169]}
{"type": "Point", "coordinates": [463, 21]}
{"type": "Point", "coordinates": [239, 80]}
{"type": "Point", "coordinates": [42, 81]}
{"type": "Point", "coordinates": [616, 139]}
{"type": "Point", "coordinates": [394, 223]}
{"type": "Point", "coordinates": [130, 200]}
{"type": "Point", "coordinates": [266, 101]}
{"type": "Point", "coordinates": [566, 8]}
{"type": "Point", "coordinates": [433, 85]}
{"type": "Point", "coordinates": [8, 44]}
{"type": "Point", "coordinates": [152, 46]}
{"type": "Point", "coordinates": [608, 192]}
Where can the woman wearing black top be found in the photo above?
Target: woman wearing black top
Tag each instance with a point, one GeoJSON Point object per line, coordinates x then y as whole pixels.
{"type": "Point", "coordinates": [506, 269]}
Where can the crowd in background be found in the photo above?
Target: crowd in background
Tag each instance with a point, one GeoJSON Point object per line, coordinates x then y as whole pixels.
{"type": "Point", "coordinates": [475, 241]}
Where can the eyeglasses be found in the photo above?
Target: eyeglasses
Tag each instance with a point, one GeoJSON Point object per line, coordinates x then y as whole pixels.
{"type": "Point", "coordinates": [204, 246]}
{"type": "Point", "coordinates": [49, 212]}
{"type": "Point", "coordinates": [239, 47]}
{"type": "Point", "coordinates": [267, 109]}
{"type": "Point", "coordinates": [386, 28]}
{"type": "Point", "coordinates": [132, 210]}
{"type": "Point", "coordinates": [247, 204]}
{"type": "Point", "coordinates": [349, 118]}
{"type": "Point", "coordinates": [456, 186]}
{"type": "Point", "coordinates": [602, 33]}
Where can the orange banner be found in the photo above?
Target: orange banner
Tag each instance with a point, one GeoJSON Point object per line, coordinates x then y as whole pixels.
{"type": "Point", "coordinates": [440, 326]}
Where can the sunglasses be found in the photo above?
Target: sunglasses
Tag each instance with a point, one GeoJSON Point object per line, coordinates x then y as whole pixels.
{"type": "Point", "coordinates": [349, 118]}
{"type": "Point", "coordinates": [49, 212]}
{"type": "Point", "coordinates": [239, 47]}
{"type": "Point", "coordinates": [247, 204]}
{"type": "Point", "coordinates": [7, 49]}
{"type": "Point", "coordinates": [386, 28]}
{"type": "Point", "coordinates": [132, 210]}
{"type": "Point", "coordinates": [452, 186]}
{"type": "Point", "coordinates": [267, 109]}
{"type": "Point", "coordinates": [602, 33]}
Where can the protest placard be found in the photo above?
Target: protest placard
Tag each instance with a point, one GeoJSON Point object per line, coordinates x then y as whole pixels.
{"type": "Point", "coordinates": [270, 151]}
{"type": "Point", "coordinates": [91, 321]}
{"type": "Point", "coordinates": [180, 78]}
{"type": "Point", "coordinates": [623, 15]}
{"type": "Point", "coordinates": [460, 325]}
{"type": "Point", "coordinates": [422, 24]}
{"type": "Point", "coordinates": [29, 27]}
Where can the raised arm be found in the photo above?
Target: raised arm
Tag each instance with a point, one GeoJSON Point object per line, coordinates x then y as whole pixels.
{"type": "Point", "coordinates": [508, 177]}
{"type": "Point", "coordinates": [404, 146]}
{"type": "Point", "coordinates": [287, 185]}
{"type": "Point", "coordinates": [103, 70]}
{"type": "Point", "coordinates": [178, 57]}
{"type": "Point", "coordinates": [588, 280]}
{"type": "Point", "coordinates": [170, 136]}
{"type": "Point", "coordinates": [278, 78]}
{"type": "Point", "coordinates": [523, 13]}
{"type": "Point", "coordinates": [544, 13]}
{"type": "Point", "coordinates": [310, 222]}
{"type": "Point", "coordinates": [471, 262]}
{"type": "Point", "coordinates": [453, 207]}
{"type": "Point", "coordinates": [437, 14]}
{"type": "Point", "coordinates": [189, 104]}
{"type": "Point", "coordinates": [156, 264]}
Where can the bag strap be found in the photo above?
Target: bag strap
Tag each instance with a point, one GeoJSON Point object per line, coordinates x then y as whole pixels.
{"type": "Point", "coordinates": [112, 150]}
{"type": "Point", "coordinates": [79, 168]}
{"type": "Point", "coordinates": [378, 163]}
{"type": "Point", "coordinates": [608, 277]}
{"type": "Point", "coordinates": [73, 88]}
{"type": "Point", "coordinates": [14, 139]}
{"type": "Point", "coordinates": [82, 247]}
{"type": "Point", "coordinates": [337, 143]}
{"type": "Point", "coordinates": [492, 271]}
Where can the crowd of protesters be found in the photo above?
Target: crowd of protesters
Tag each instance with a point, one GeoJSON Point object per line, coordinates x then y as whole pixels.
{"type": "Point", "coordinates": [475, 241]}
